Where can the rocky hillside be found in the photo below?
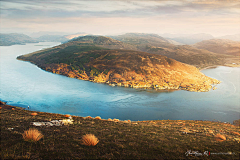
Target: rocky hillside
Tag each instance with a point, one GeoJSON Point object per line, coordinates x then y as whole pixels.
{"type": "Point", "coordinates": [85, 59]}
{"type": "Point", "coordinates": [220, 46]}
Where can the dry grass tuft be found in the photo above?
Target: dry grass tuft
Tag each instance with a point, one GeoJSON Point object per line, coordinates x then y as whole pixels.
{"type": "Point", "coordinates": [88, 117]}
{"type": "Point", "coordinates": [32, 135]}
{"type": "Point", "coordinates": [98, 117]}
{"type": "Point", "coordinates": [34, 114]}
{"type": "Point", "coordinates": [220, 137]}
{"type": "Point", "coordinates": [67, 115]}
{"type": "Point", "coordinates": [210, 131]}
{"type": "Point", "coordinates": [236, 133]}
{"type": "Point", "coordinates": [89, 140]}
{"type": "Point", "coordinates": [115, 120]}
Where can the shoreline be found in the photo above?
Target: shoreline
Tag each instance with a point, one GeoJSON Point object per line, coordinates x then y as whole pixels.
{"type": "Point", "coordinates": [4, 105]}
{"type": "Point", "coordinates": [215, 66]}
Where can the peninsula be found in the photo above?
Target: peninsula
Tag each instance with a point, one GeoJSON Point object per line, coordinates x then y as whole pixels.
{"type": "Point", "coordinates": [89, 58]}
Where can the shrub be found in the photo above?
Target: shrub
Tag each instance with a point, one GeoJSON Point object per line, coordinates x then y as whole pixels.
{"type": "Point", "coordinates": [89, 140]}
{"type": "Point", "coordinates": [32, 135]}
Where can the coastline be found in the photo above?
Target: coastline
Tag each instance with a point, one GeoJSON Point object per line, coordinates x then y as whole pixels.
{"type": "Point", "coordinates": [225, 65]}
{"type": "Point", "coordinates": [4, 105]}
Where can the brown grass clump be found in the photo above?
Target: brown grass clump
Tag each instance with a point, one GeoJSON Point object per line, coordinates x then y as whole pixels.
{"type": "Point", "coordinates": [67, 115]}
{"type": "Point", "coordinates": [98, 117]}
{"type": "Point", "coordinates": [236, 133]}
{"type": "Point", "coordinates": [34, 114]}
{"type": "Point", "coordinates": [32, 135]}
{"type": "Point", "coordinates": [88, 117]}
{"type": "Point", "coordinates": [115, 120]}
{"type": "Point", "coordinates": [210, 131]}
{"type": "Point", "coordinates": [220, 137]}
{"type": "Point", "coordinates": [89, 140]}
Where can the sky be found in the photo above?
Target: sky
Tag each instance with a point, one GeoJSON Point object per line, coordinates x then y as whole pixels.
{"type": "Point", "coordinates": [112, 17]}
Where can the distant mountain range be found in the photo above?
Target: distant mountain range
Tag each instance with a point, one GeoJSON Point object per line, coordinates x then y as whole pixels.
{"type": "Point", "coordinates": [235, 37]}
{"type": "Point", "coordinates": [191, 39]}
{"type": "Point", "coordinates": [59, 38]}
{"type": "Point", "coordinates": [43, 33]}
{"type": "Point", "coordinates": [220, 46]}
{"type": "Point", "coordinates": [195, 38]}
{"type": "Point", "coordinates": [52, 38]}
{"type": "Point", "coordinates": [15, 38]}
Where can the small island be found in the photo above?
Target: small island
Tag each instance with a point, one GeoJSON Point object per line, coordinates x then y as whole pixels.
{"type": "Point", "coordinates": [89, 58]}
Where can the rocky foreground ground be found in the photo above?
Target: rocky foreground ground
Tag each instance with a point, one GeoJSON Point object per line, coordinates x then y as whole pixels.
{"type": "Point", "coordinates": [160, 139]}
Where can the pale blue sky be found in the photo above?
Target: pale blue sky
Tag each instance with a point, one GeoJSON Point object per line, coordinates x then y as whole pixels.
{"type": "Point", "coordinates": [216, 17]}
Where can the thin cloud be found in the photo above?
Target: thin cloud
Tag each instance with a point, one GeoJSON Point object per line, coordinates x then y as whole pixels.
{"type": "Point", "coordinates": [108, 17]}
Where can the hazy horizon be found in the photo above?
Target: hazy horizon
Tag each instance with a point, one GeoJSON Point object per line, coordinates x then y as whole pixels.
{"type": "Point", "coordinates": [216, 17]}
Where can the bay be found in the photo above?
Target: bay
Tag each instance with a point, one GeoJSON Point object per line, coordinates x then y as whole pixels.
{"type": "Point", "coordinates": [24, 84]}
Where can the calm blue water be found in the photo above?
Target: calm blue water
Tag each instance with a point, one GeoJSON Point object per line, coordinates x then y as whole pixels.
{"type": "Point", "coordinates": [23, 84]}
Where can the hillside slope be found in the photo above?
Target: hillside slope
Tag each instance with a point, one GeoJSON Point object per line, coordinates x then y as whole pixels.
{"type": "Point", "coordinates": [87, 61]}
